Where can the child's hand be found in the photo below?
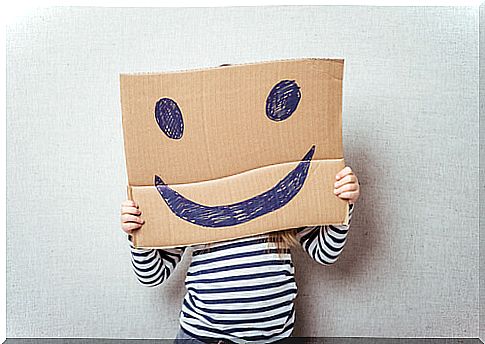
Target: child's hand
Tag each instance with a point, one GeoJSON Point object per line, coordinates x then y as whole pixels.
{"type": "Point", "coordinates": [130, 216]}
{"type": "Point", "coordinates": [347, 185]}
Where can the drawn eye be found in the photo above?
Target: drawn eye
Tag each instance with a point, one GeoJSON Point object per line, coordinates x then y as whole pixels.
{"type": "Point", "coordinates": [282, 100]}
{"type": "Point", "coordinates": [169, 118]}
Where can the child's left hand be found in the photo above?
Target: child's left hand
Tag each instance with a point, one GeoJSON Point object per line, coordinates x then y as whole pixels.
{"type": "Point", "coordinates": [347, 185]}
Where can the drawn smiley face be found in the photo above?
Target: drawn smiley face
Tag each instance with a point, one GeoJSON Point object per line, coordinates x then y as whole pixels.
{"type": "Point", "coordinates": [281, 103]}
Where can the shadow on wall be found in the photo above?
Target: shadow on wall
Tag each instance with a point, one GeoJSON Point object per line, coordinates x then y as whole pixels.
{"type": "Point", "coordinates": [313, 302]}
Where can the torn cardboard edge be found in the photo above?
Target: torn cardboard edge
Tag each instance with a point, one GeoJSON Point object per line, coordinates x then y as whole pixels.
{"type": "Point", "coordinates": [253, 170]}
{"type": "Point", "coordinates": [229, 65]}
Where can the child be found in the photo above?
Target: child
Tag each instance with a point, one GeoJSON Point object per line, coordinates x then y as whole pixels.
{"type": "Point", "coordinates": [241, 290]}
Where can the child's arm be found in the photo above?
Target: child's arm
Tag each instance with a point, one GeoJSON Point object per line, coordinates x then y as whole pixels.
{"type": "Point", "coordinates": [154, 266]}
{"type": "Point", "coordinates": [324, 244]}
{"type": "Point", "coordinates": [151, 266]}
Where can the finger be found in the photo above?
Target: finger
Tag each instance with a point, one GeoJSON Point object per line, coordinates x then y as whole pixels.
{"type": "Point", "coordinates": [346, 187]}
{"type": "Point", "coordinates": [131, 218]}
{"type": "Point", "coordinates": [348, 195]}
{"type": "Point", "coordinates": [129, 203]}
{"type": "Point", "coordinates": [351, 178]}
{"type": "Point", "coordinates": [129, 229]}
{"type": "Point", "coordinates": [130, 210]}
{"type": "Point", "coordinates": [130, 226]}
{"type": "Point", "coordinates": [345, 171]}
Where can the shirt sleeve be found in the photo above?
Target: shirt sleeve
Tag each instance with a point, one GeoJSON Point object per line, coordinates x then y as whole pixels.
{"type": "Point", "coordinates": [154, 266]}
{"type": "Point", "coordinates": [324, 243]}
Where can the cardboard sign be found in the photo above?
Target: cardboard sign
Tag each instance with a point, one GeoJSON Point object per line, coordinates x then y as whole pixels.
{"type": "Point", "coordinates": [234, 151]}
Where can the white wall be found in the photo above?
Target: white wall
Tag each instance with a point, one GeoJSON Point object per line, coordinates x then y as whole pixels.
{"type": "Point", "coordinates": [410, 128]}
{"type": "Point", "coordinates": [482, 170]}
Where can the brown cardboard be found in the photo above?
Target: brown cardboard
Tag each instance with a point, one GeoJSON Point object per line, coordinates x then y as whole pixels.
{"type": "Point", "coordinates": [231, 150]}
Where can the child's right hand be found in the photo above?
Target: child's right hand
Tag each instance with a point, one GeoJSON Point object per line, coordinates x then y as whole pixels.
{"type": "Point", "coordinates": [130, 217]}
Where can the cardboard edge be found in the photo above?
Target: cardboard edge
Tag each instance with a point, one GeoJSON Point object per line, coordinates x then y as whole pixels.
{"type": "Point", "coordinates": [229, 65]}
{"type": "Point", "coordinates": [236, 174]}
{"type": "Point", "coordinates": [347, 216]}
{"type": "Point", "coordinates": [129, 193]}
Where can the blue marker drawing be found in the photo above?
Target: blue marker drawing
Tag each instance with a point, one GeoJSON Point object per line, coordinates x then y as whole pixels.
{"type": "Point", "coordinates": [169, 118]}
{"type": "Point", "coordinates": [282, 100]}
{"type": "Point", "coordinates": [240, 212]}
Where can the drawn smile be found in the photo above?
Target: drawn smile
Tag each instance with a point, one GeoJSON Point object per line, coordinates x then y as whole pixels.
{"type": "Point", "coordinates": [240, 212]}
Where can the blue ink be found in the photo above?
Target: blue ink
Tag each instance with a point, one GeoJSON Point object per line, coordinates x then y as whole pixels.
{"type": "Point", "coordinates": [240, 212]}
{"type": "Point", "coordinates": [282, 100]}
{"type": "Point", "coordinates": [169, 118]}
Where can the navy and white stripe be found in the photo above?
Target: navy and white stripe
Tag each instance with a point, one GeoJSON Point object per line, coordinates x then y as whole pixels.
{"type": "Point", "coordinates": [238, 289]}
{"type": "Point", "coordinates": [153, 266]}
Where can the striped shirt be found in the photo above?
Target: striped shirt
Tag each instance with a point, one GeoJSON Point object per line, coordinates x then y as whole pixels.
{"type": "Point", "coordinates": [241, 290]}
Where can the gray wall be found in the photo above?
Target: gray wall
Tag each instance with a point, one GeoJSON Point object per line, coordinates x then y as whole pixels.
{"type": "Point", "coordinates": [482, 170]}
{"type": "Point", "coordinates": [411, 265]}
